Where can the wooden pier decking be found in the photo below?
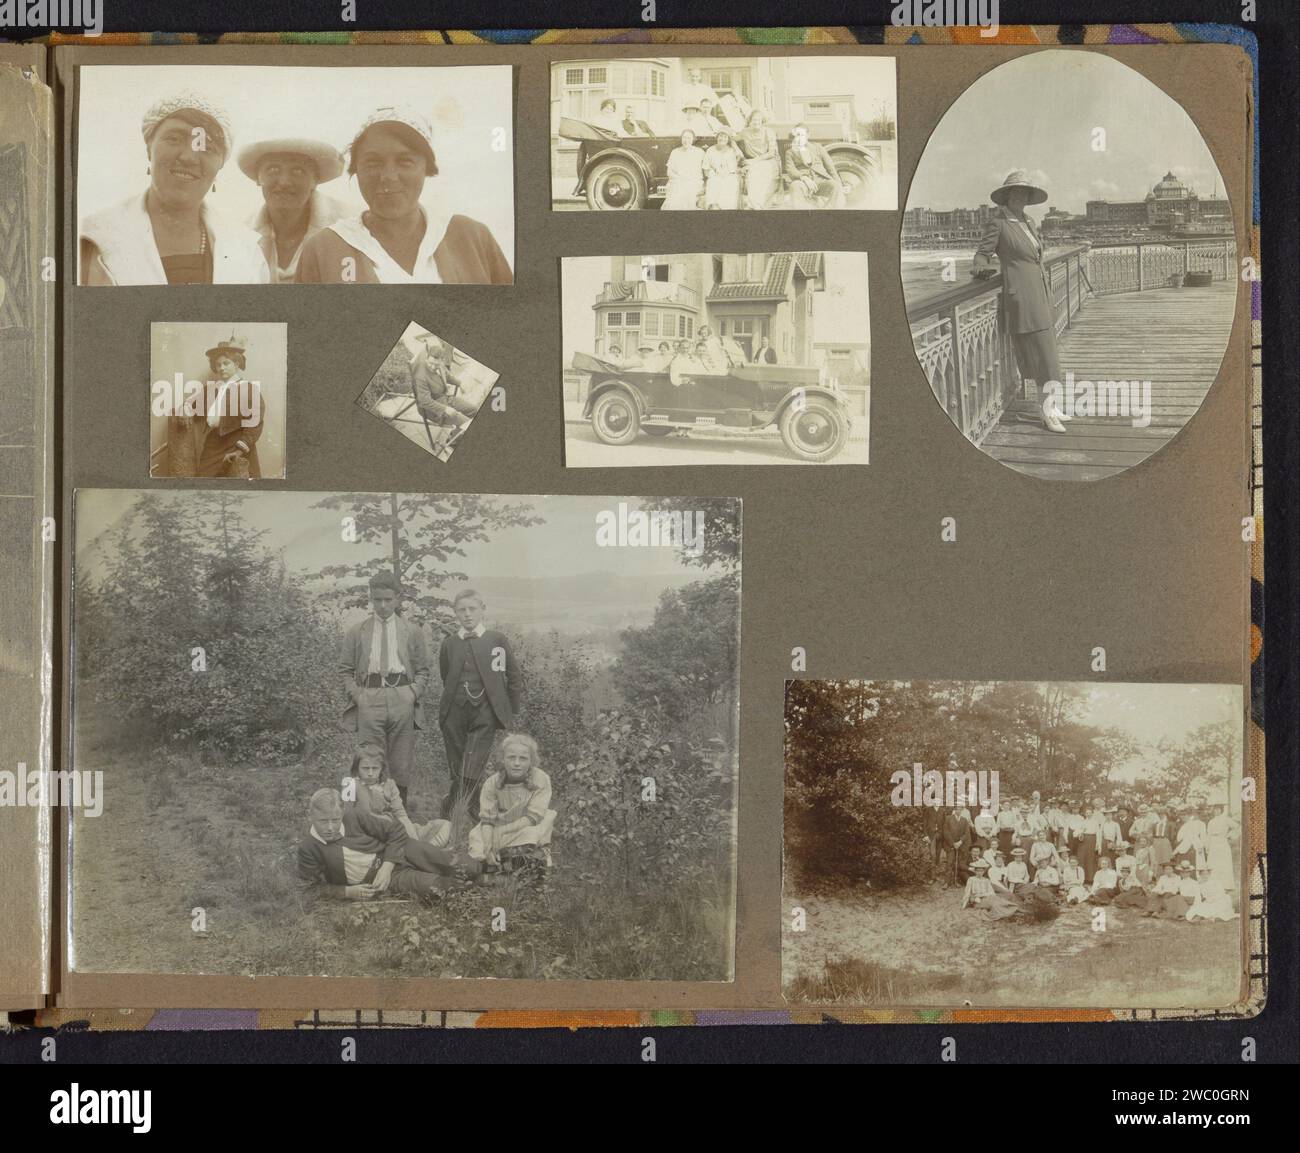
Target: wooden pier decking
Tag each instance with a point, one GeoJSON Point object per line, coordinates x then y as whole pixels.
{"type": "Point", "coordinates": [1174, 337]}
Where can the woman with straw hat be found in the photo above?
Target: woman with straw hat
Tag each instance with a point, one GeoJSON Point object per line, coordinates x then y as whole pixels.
{"type": "Point", "coordinates": [1012, 237]}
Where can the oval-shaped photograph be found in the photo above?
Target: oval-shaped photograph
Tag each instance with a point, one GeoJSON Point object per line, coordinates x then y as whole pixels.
{"type": "Point", "coordinates": [1069, 265]}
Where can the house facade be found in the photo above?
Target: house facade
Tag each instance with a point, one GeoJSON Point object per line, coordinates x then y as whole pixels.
{"type": "Point", "coordinates": [744, 296]}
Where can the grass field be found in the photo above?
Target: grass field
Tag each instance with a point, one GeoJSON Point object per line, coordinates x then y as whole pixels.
{"type": "Point", "coordinates": [922, 949]}
{"type": "Point", "coordinates": [178, 837]}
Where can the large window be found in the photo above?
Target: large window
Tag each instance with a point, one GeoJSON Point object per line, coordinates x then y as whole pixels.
{"type": "Point", "coordinates": [724, 80]}
{"type": "Point", "coordinates": [584, 86]}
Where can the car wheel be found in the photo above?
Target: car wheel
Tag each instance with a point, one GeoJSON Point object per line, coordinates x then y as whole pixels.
{"type": "Point", "coordinates": [656, 430]}
{"type": "Point", "coordinates": [856, 176]}
{"type": "Point", "coordinates": [614, 417]}
{"type": "Point", "coordinates": [818, 431]}
{"type": "Point", "coordinates": [615, 185]}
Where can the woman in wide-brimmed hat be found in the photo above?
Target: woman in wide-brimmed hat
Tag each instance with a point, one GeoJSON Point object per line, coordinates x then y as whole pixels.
{"type": "Point", "coordinates": [169, 235]}
{"type": "Point", "coordinates": [289, 170]}
{"type": "Point", "coordinates": [397, 239]}
{"type": "Point", "coordinates": [221, 440]}
{"type": "Point", "coordinates": [1012, 237]}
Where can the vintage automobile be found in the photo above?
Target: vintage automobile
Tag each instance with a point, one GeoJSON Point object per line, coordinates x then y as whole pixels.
{"type": "Point", "coordinates": [631, 171]}
{"type": "Point", "coordinates": [624, 400]}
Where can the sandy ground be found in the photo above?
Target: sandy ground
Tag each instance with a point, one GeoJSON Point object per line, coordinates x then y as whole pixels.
{"type": "Point", "coordinates": [929, 951]}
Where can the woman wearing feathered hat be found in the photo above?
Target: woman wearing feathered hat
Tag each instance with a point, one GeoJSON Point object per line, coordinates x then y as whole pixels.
{"type": "Point", "coordinates": [169, 235]}
{"type": "Point", "coordinates": [220, 441]}
{"type": "Point", "coordinates": [397, 240]}
{"type": "Point", "coordinates": [1012, 237]}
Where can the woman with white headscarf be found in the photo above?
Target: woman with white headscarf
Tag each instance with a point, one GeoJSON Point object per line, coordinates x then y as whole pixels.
{"type": "Point", "coordinates": [168, 234]}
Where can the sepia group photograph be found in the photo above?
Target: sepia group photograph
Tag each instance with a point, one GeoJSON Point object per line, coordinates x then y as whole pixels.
{"type": "Point", "coordinates": [1069, 264]}
{"type": "Point", "coordinates": [716, 358]}
{"type": "Point", "coordinates": [706, 133]}
{"type": "Point", "coordinates": [405, 735]}
{"type": "Point", "coordinates": [236, 174]}
{"type": "Point", "coordinates": [1014, 844]}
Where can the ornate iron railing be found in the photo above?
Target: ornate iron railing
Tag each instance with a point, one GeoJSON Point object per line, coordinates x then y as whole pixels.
{"type": "Point", "coordinates": [1159, 263]}
{"type": "Point", "coordinates": [965, 350]}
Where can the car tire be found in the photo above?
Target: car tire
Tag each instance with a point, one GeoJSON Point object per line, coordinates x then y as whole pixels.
{"type": "Point", "coordinates": [857, 176]}
{"type": "Point", "coordinates": [818, 431]}
{"type": "Point", "coordinates": [656, 429]}
{"type": "Point", "coordinates": [615, 185]}
{"type": "Point", "coordinates": [614, 417]}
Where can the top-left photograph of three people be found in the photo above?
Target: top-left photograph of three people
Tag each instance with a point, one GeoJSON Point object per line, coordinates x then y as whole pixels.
{"type": "Point", "coordinates": [256, 175]}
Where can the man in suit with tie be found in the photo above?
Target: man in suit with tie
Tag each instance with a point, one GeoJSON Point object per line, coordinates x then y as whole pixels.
{"type": "Point", "coordinates": [481, 685]}
{"type": "Point", "coordinates": [385, 667]}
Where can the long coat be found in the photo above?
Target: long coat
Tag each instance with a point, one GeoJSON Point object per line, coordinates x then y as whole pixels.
{"type": "Point", "coordinates": [503, 687]}
{"type": "Point", "coordinates": [1026, 300]}
{"type": "Point", "coordinates": [195, 449]}
{"type": "Point", "coordinates": [412, 650]}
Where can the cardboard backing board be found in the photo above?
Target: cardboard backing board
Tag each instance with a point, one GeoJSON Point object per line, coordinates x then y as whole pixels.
{"type": "Point", "coordinates": [848, 564]}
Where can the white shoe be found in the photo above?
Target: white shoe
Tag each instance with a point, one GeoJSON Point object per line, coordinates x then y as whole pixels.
{"type": "Point", "coordinates": [1052, 418]}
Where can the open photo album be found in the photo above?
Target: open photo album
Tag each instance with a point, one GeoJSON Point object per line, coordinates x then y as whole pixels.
{"type": "Point", "coordinates": [400, 604]}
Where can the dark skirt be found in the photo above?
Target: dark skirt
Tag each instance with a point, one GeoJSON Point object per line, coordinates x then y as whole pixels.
{"type": "Point", "coordinates": [1087, 855]}
{"type": "Point", "coordinates": [1037, 357]}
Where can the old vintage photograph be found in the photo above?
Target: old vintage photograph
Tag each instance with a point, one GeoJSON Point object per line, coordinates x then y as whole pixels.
{"type": "Point", "coordinates": [716, 358]}
{"type": "Point", "coordinates": [428, 391]}
{"type": "Point", "coordinates": [217, 401]}
{"type": "Point", "coordinates": [1069, 264]}
{"type": "Point", "coordinates": [1013, 844]}
{"type": "Point", "coordinates": [724, 132]}
{"type": "Point", "coordinates": [405, 734]}
{"type": "Point", "coordinates": [231, 174]}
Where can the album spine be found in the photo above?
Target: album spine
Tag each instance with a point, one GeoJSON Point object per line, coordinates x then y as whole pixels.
{"type": "Point", "coordinates": [28, 531]}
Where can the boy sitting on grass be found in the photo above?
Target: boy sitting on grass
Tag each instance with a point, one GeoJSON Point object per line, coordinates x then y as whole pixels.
{"type": "Point", "coordinates": [351, 854]}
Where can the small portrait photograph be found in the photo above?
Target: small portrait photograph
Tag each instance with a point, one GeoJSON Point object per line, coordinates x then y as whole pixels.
{"type": "Point", "coordinates": [706, 133]}
{"type": "Point", "coordinates": [217, 402]}
{"type": "Point", "coordinates": [1069, 263]}
{"type": "Point", "coordinates": [353, 728]}
{"type": "Point", "coordinates": [235, 174]}
{"type": "Point", "coordinates": [428, 391]}
{"type": "Point", "coordinates": [1015, 844]}
{"type": "Point", "coordinates": [716, 358]}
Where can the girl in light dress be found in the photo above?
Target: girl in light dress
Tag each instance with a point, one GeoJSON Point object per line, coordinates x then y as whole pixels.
{"type": "Point", "coordinates": [722, 173]}
{"type": "Point", "coordinates": [1213, 902]}
{"type": "Point", "coordinates": [515, 814]}
{"type": "Point", "coordinates": [685, 175]}
{"type": "Point", "coordinates": [1218, 848]}
{"type": "Point", "coordinates": [370, 771]}
{"type": "Point", "coordinates": [1073, 882]}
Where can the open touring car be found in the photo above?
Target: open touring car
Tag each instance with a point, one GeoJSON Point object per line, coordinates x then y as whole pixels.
{"type": "Point", "coordinates": [631, 171]}
{"type": "Point", "coordinates": [624, 400]}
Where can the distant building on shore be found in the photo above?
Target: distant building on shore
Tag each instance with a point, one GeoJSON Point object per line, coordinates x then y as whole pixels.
{"type": "Point", "coordinates": [1171, 207]}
